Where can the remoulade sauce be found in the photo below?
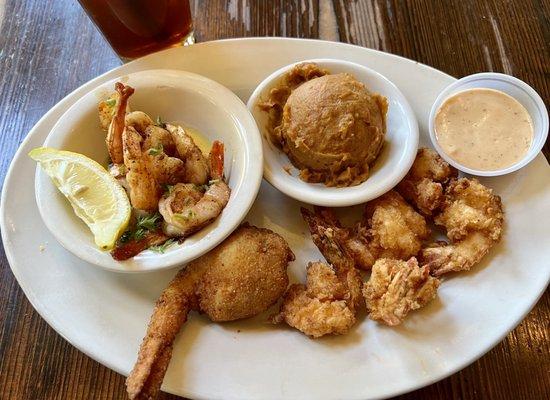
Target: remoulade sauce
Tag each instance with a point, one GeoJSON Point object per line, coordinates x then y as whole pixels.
{"type": "Point", "coordinates": [484, 129]}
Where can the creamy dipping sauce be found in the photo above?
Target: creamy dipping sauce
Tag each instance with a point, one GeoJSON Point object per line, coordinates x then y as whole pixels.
{"type": "Point", "coordinates": [484, 129]}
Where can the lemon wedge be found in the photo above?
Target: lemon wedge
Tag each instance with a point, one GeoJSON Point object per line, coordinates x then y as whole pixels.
{"type": "Point", "coordinates": [96, 196]}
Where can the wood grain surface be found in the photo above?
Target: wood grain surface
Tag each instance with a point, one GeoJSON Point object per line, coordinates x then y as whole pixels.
{"type": "Point", "coordinates": [48, 49]}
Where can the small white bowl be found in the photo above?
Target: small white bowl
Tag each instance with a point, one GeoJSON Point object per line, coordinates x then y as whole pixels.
{"type": "Point", "coordinates": [514, 87]}
{"type": "Point", "coordinates": [176, 96]}
{"type": "Point", "coordinates": [392, 164]}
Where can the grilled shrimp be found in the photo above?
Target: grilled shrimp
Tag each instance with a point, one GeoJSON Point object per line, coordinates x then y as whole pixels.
{"type": "Point", "coordinates": [145, 191]}
{"type": "Point", "coordinates": [160, 148]}
{"type": "Point", "coordinates": [196, 164]}
{"type": "Point", "coordinates": [116, 127]}
{"type": "Point", "coordinates": [186, 209]}
{"type": "Point", "coordinates": [138, 120]}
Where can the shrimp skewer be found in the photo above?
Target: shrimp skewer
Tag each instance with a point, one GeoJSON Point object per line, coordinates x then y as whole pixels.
{"type": "Point", "coordinates": [117, 125]}
{"type": "Point", "coordinates": [187, 209]}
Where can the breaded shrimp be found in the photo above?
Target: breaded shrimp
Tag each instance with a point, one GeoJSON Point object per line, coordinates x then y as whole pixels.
{"type": "Point", "coordinates": [196, 164]}
{"type": "Point", "coordinates": [424, 184]}
{"type": "Point", "coordinates": [116, 127]}
{"type": "Point", "coordinates": [396, 230]}
{"type": "Point", "coordinates": [473, 218]}
{"type": "Point", "coordinates": [396, 287]}
{"type": "Point", "coordinates": [145, 192]}
{"type": "Point", "coordinates": [390, 228]}
{"type": "Point", "coordinates": [327, 304]}
{"type": "Point", "coordinates": [188, 208]}
{"type": "Point", "coordinates": [240, 278]}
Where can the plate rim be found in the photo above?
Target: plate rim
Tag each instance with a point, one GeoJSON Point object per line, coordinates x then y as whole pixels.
{"type": "Point", "coordinates": [53, 322]}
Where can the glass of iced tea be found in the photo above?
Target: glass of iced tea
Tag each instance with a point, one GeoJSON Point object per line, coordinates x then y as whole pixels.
{"type": "Point", "coordinates": [135, 28]}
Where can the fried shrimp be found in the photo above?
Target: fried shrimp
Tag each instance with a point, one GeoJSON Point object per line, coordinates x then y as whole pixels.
{"type": "Point", "coordinates": [187, 208]}
{"type": "Point", "coordinates": [396, 229]}
{"type": "Point", "coordinates": [117, 125]}
{"type": "Point", "coordinates": [240, 278]}
{"type": "Point", "coordinates": [328, 302]}
{"type": "Point", "coordinates": [397, 287]}
{"type": "Point", "coordinates": [473, 218]}
{"type": "Point", "coordinates": [424, 184]}
{"type": "Point", "coordinates": [390, 228]}
{"type": "Point", "coordinates": [196, 164]}
{"type": "Point", "coordinates": [145, 192]}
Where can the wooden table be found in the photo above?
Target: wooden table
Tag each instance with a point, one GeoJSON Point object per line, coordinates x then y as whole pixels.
{"type": "Point", "coordinates": [46, 51]}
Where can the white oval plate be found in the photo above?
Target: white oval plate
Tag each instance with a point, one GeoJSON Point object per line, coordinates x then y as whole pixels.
{"type": "Point", "coordinates": [393, 163]}
{"type": "Point", "coordinates": [176, 96]}
{"type": "Point", "coordinates": [105, 315]}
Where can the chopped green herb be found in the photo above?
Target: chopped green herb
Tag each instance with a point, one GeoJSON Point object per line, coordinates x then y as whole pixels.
{"type": "Point", "coordinates": [160, 123]}
{"type": "Point", "coordinates": [168, 189]}
{"type": "Point", "coordinates": [187, 216]}
{"type": "Point", "coordinates": [110, 102]}
{"type": "Point", "coordinates": [202, 188]}
{"type": "Point", "coordinates": [161, 248]}
{"type": "Point", "coordinates": [149, 222]}
{"type": "Point", "coordinates": [211, 182]}
{"type": "Point", "coordinates": [143, 226]}
{"type": "Point", "coordinates": [126, 236]}
{"type": "Point", "coordinates": [155, 151]}
{"type": "Point", "coordinates": [139, 233]}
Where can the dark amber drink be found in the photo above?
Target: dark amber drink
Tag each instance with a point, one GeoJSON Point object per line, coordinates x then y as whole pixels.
{"type": "Point", "coordinates": [138, 27]}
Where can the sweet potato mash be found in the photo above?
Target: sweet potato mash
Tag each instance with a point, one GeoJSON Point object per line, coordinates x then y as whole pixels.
{"type": "Point", "coordinates": [330, 126]}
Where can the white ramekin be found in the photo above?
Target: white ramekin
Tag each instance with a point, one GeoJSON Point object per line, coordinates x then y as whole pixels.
{"type": "Point", "coordinates": [514, 87]}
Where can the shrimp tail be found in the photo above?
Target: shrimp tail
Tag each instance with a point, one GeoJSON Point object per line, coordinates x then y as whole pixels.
{"type": "Point", "coordinates": [114, 133]}
{"type": "Point", "coordinates": [323, 236]}
{"type": "Point", "coordinates": [216, 160]}
{"type": "Point", "coordinates": [155, 352]}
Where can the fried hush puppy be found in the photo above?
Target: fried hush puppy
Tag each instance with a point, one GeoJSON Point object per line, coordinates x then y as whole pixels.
{"type": "Point", "coordinates": [240, 278]}
{"type": "Point", "coordinates": [397, 287]}
{"type": "Point", "coordinates": [474, 219]}
{"type": "Point", "coordinates": [424, 184]}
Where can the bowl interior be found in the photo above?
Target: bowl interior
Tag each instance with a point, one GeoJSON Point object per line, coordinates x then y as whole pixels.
{"type": "Point", "coordinates": [394, 161]}
{"type": "Point", "coordinates": [178, 97]}
{"type": "Point", "coordinates": [514, 88]}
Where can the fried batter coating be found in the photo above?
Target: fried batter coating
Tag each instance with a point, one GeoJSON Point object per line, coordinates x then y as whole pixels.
{"type": "Point", "coordinates": [423, 186]}
{"type": "Point", "coordinates": [473, 218]}
{"type": "Point", "coordinates": [397, 287]}
{"type": "Point", "coordinates": [328, 302]}
{"type": "Point", "coordinates": [391, 228]}
{"type": "Point", "coordinates": [396, 230]}
{"type": "Point", "coordinates": [320, 307]}
{"type": "Point", "coordinates": [240, 278]}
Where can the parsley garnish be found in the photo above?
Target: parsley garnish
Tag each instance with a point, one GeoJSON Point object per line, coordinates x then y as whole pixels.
{"type": "Point", "coordinates": [149, 222]}
{"type": "Point", "coordinates": [154, 151]}
{"type": "Point", "coordinates": [168, 188]}
{"type": "Point", "coordinates": [189, 215]}
{"type": "Point", "coordinates": [110, 102]}
{"type": "Point", "coordinates": [144, 225]}
{"type": "Point", "coordinates": [161, 248]}
{"type": "Point", "coordinates": [160, 123]}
